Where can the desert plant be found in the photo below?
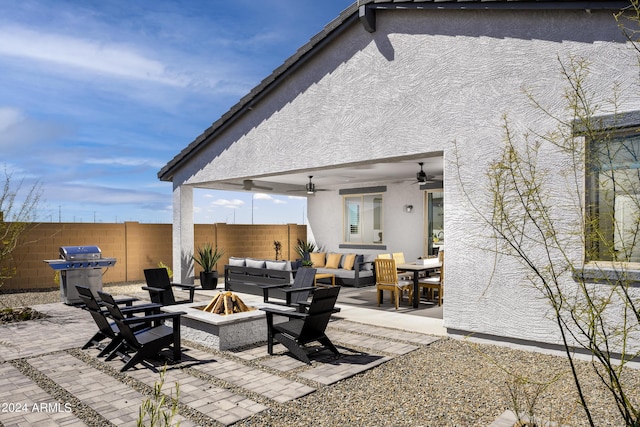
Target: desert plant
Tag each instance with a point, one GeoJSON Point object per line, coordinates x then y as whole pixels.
{"type": "Point", "coordinates": [277, 246]}
{"type": "Point", "coordinates": [524, 221]}
{"type": "Point", "coordinates": [159, 410]}
{"type": "Point", "coordinates": [304, 248]}
{"type": "Point", "coordinates": [207, 257]}
{"type": "Point", "coordinates": [16, 215]}
{"type": "Point", "coordinates": [166, 267]}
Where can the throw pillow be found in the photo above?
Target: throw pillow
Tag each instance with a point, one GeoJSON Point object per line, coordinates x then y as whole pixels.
{"type": "Point", "coordinates": [276, 265]}
{"type": "Point", "coordinates": [317, 258]}
{"type": "Point", "coordinates": [333, 260]}
{"type": "Point", "coordinates": [348, 262]}
{"type": "Point", "coordinates": [255, 263]}
{"type": "Point", "coordinates": [236, 262]}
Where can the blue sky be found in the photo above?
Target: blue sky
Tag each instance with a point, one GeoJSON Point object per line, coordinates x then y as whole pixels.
{"type": "Point", "coordinates": [97, 96]}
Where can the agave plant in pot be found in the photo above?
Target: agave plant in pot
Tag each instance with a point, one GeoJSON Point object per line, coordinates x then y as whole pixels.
{"type": "Point", "coordinates": [207, 257]}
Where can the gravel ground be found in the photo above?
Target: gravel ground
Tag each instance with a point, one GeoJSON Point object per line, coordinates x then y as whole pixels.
{"type": "Point", "coordinates": [448, 383]}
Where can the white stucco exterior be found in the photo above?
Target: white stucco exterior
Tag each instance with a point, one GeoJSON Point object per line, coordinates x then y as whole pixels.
{"type": "Point", "coordinates": [426, 81]}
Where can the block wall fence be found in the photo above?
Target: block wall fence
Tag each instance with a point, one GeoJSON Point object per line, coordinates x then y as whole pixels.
{"type": "Point", "coordinates": [139, 246]}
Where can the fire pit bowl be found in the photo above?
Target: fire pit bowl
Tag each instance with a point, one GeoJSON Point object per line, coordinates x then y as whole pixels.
{"type": "Point", "coordinates": [222, 331]}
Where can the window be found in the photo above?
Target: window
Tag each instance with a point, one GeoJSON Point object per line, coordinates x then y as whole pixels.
{"type": "Point", "coordinates": [613, 198]}
{"type": "Point", "coordinates": [363, 218]}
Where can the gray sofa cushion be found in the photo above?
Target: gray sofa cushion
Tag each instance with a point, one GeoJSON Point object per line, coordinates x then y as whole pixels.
{"type": "Point", "coordinates": [254, 263]}
{"type": "Point", "coordinates": [277, 265]}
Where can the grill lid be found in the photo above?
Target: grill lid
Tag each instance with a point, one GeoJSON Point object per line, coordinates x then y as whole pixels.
{"type": "Point", "coordinates": [80, 252]}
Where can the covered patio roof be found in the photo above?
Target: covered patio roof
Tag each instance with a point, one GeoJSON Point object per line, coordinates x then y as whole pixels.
{"type": "Point", "coordinates": [401, 169]}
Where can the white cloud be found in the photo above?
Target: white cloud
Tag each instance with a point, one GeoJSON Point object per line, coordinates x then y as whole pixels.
{"type": "Point", "coordinates": [124, 161]}
{"type": "Point", "coordinates": [264, 196]}
{"type": "Point", "coordinates": [224, 203]}
{"type": "Point", "coordinates": [9, 117]}
{"type": "Point", "coordinates": [18, 130]}
{"type": "Point", "coordinates": [92, 55]}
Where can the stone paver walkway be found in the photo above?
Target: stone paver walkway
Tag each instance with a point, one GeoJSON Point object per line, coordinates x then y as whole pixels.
{"type": "Point", "coordinates": [224, 387]}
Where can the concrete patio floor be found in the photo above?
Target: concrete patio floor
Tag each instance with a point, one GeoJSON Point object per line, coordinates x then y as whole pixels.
{"type": "Point", "coordinates": [221, 387]}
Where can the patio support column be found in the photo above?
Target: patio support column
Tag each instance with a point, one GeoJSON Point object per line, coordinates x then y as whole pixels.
{"type": "Point", "coordinates": [183, 234]}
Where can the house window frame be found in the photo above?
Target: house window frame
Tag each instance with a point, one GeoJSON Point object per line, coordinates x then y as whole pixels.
{"type": "Point", "coordinates": [362, 193]}
{"type": "Point", "coordinates": [609, 128]}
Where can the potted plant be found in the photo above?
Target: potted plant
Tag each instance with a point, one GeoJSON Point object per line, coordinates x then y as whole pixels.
{"type": "Point", "coordinates": [304, 249]}
{"type": "Point", "coordinates": [207, 257]}
{"type": "Point", "coordinates": [278, 248]}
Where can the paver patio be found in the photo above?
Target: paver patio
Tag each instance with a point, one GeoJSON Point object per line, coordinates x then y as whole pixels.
{"type": "Point", "coordinates": [224, 387]}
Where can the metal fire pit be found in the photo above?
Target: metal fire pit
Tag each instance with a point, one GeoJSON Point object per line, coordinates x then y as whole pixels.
{"type": "Point", "coordinates": [79, 265]}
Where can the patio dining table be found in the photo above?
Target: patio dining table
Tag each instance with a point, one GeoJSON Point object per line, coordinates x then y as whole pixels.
{"type": "Point", "coordinates": [428, 264]}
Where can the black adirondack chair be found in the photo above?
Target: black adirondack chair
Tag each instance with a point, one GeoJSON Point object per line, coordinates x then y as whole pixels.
{"type": "Point", "coordinates": [106, 328]}
{"type": "Point", "coordinates": [160, 287]}
{"type": "Point", "coordinates": [297, 293]}
{"type": "Point", "coordinates": [304, 328]}
{"type": "Point", "coordinates": [147, 343]}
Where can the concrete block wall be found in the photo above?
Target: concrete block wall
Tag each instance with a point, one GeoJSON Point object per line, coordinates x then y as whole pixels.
{"type": "Point", "coordinates": [138, 246]}
{"type": "Point", "coordinates": [42, 241]}
{"type": "Point", "coordinates": [257, 241]}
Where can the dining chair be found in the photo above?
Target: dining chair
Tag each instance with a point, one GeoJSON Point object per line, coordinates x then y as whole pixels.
{"type": "Point", "coordinates": [384, 256]}
{"type": "Point", "coordinates": [387, 280]}
{"type": "Point", "coordinates": [399, 259]}
{"type": "Point", "coordinates": [434, 282]}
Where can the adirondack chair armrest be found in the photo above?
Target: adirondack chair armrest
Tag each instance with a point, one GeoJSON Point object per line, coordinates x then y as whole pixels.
{"type": "Point", "coordinates": [126, 301]}
{"type": "Point", "coordinates": [140, 308]}
{"type": "Point", "coordinates": [273, 285]}
{"type": "Point", "coordinates": [186, 287]}
{"type": "Point", "coordinates": [159, 316]}
{"type": "Point", "coordinates": [305, 289]}
{"type": "Point", "coordinates": [271, 311]}
{"type": "Point", "coordinates": [152, 289]}
{"type": "Point", "coordinates": [302, 306]}
{"type": "Point", "coordinates": [183, 285]}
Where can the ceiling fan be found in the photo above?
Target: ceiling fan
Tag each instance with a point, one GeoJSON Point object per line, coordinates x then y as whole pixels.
{"type": "Point", "coordinates": [310, 188]}
{"type": "Point", "coordinates": [248, 185]}
{"type": "Point", "coordinates": [423, 178]}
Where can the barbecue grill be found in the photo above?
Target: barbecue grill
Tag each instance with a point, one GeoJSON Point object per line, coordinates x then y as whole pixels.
{"type": "Point", "coordinates": [79, 265]}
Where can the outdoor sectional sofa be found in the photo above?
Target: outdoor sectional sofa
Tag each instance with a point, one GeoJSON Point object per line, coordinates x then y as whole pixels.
{"type": "Point", "coordinates": [349, 269]}
{"type": "Point", "coordinates": [252, 275]}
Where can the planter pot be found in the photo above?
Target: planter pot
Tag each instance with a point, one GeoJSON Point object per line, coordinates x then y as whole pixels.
{"type": "Point", "coordinates": [209, 280]}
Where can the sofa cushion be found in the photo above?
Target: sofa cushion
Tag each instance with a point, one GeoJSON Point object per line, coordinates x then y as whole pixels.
{"type": "Point", "coordinates": [333, 260]}
{"type": "Point", "coordinates": [367, 262]}
{"type": "Point", "coordinates": [254, 263]}
{"type": "Point", "coordinates": [348, 261]}
{"type": "Point", "coordinates": [345, 274]}
{"type": "Point", "coordinates": [236, 262]}
{"type": "Point", "coordinates": [317, 258]}
{"type": "Point", "coordinates": [277, 265]}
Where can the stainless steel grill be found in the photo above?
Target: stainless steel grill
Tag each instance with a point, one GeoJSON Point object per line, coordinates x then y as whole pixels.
{"type": "Point", "coordinates": [79, 265]}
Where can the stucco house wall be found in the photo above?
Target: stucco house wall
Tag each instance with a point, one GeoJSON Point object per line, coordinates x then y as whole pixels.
{"type": "Point", "coordinates": [431, 81]}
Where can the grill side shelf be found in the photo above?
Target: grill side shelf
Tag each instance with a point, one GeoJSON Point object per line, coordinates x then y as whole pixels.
{"type": "Point", "coordinates": [61, 264]}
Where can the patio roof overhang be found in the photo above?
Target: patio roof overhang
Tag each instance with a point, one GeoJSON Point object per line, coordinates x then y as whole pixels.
{"type": "Point", "coordinates": [402, 169]}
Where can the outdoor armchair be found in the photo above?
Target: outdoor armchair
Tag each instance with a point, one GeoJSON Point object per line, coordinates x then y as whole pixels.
{"type": "Point", "coordinates": [297, 293]}
{"type": "Point", "coordinates": [106, 328]}
{"type": "Point", "coordinates": [303, 328]}
{"type": "Point", "coordinates": [145, 344]}
{"type": "Point", "coordinates": [160, 287]}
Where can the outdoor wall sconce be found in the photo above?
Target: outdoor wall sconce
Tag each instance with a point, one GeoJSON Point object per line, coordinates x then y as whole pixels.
{"type": "Point", "coordinates": [408, 208]}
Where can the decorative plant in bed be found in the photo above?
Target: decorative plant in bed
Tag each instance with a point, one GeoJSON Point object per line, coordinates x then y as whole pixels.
{"type": "Point", "coordinates": [19, 314]}
{"type": "Point", "coordinates": [207, 257]}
